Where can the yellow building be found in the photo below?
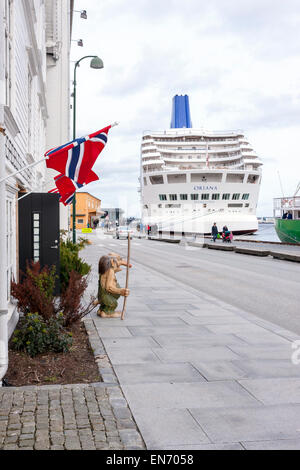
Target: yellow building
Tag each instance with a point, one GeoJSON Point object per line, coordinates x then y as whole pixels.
{"type": "Point", "coordinates": [87, 209]}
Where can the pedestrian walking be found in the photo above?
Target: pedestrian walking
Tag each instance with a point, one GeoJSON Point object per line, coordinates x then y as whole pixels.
{"type": "Point", "coordinates": [214, 231]}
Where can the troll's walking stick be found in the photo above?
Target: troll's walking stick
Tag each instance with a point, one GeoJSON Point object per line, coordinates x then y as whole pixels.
{"type": "Point", "coordinates": [127, 276]}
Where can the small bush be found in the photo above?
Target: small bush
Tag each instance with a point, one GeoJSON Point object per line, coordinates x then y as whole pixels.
{"type": "Point", "coordinates": [70, 261]}
{"type": "Point", "coordinates": [34, 292]}
{"type": "Point", "coordinates": [70, 299]}
{"type": "Point", "coordinates": [36, 336]}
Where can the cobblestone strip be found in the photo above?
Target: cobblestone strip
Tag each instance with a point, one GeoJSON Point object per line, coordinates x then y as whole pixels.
{"type": "Point", "coordinates": [64, 417]}
{"type": "Point", "coordinates": [127, 428]}
{"type": "Point", "coordinates": [67, 417]}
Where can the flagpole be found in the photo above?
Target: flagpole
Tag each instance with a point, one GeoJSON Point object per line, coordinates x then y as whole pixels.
{"type": "Point", "coordinates": [127, 276]}
{"type": "Point", "coordinates": [23, 169]}
{"type": "Point", "coordinates": [35, 163]}
{"type": "Point", "coordinates": [25, 195]}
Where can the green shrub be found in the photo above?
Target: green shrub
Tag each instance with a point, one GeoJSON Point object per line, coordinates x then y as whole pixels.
{"type": "Point", "coordinates": [44, 280]}
{"type": "Point", "coordinates": [34, 291]}
{"type": "Point", "coordinates": [70, 261]}
{"type": "Point", "coordinates": [36, 336]}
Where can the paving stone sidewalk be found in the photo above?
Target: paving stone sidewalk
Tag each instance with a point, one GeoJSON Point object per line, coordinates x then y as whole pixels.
{"type": "Point", "coordinates": [196, 372]}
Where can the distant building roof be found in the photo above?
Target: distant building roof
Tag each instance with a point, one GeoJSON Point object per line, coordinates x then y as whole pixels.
{"type": "Point", "coordinates": [85, 192]}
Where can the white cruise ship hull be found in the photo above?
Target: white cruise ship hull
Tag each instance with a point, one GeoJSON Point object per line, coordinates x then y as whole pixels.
{"type": "Point", "coordinates": [197, 216]}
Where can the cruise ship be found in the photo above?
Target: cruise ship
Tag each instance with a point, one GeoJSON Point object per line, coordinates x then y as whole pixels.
{"type": "Point", "coordinates": [191, 178]}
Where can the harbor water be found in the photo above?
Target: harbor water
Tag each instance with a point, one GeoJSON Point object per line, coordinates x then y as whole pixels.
{"type": "Point", "coordinates": [266, 232]}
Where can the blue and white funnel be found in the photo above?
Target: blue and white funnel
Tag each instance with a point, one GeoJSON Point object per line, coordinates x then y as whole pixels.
{"type": "Point", "coordinates": [181, 116]}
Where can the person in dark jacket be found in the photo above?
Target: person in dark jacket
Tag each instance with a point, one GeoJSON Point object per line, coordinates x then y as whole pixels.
{"type": "Point", "coordinates": [214, 231]}
{"type": "Point", "coordinates": [290, 216]}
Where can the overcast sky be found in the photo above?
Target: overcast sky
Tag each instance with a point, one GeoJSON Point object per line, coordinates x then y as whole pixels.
{"type": "Point", "coordinates": [238, 60]}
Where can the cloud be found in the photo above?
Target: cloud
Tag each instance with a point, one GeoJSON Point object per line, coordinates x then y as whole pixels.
{"type": "Point", "coordinates": [237, 60]}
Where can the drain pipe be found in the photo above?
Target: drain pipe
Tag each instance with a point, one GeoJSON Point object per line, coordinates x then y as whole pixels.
{"type": "Point", "coordinates": [3, 267]}
{"type": "Point", "coordinates": [3, 254]}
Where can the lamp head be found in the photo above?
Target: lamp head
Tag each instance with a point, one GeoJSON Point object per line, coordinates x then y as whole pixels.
{"type": "Point", "coordinates": [96, 63]}
{"type": "Point", "coordinates": [83, 14]}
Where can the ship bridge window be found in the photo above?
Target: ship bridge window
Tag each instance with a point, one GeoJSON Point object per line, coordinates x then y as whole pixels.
{"type": "Point", "coordinates": [173, 197]}
{"type": "Point", "coordinates": [176, 178]}
{"type": "Point", "coordinates": [226, 196]}
{"type": "Point", "coordinates": [194, 197]}
{"type": "Point", "coordinates": [183, 197]}
{"type": "Point", "coordinates": [253, 179]}
{"type": "Point", "coordinates": [204, 197]}
{"type": "Point", "coordinates": [173, 205]}
{"type": "Point", "coordinates": [157, 179]}
{"type": "Point", "coordinates": [209, 177]}
{"type": "Point", "coordinates": [245, 196]}
{"type": "Point", "coordinates": [215, 197]}
{"type": "Point", "coordinates": [162, 197]}
{"type": "Point", "coordinates": [234, 178]}
{"type": "Point", "coordinates": [236, 196]}
{"type": "Point", "coordinates": [235, 205]}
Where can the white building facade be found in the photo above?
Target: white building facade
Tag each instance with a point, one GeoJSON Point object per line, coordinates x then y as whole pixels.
{"type": "Point", "coordinates": [58, 35]}
{"type": "Point", "coordinates": [34, 116]}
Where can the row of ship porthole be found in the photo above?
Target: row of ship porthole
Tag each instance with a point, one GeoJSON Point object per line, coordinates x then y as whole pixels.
{"type": "Point", "coordinates": [204, 197]}
{"type": "Point", "coordinates": [181, 206]}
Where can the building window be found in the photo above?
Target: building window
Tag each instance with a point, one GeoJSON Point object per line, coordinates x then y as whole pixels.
{"type": "Point", "coordinates": [245, 196]}
{"type": "Point", "coordinates": [162, 197]}
{"type": "Point", "coordinates": [194, 197]}
{"type": "Point", "coordinates": [173, 197]}
{"type": "Point", "coordinates": [236, 196]}
{"type": "Point", "coordinates": [8, 50]}
{"type": "Point", "coordinates": [204, 197]}
{"type": "Point", "coordinates": [80, 221]}
{"type": "Point", "coordinates": [29, 112]}
{"type": "Point", "coordinates": [215, 197]}
{"type": "Point", "coordinates": [36, 223]}
{"type": "Point", "coordinates": [226, 196]}
{"type": "Point", "coordinates": [183, 197]}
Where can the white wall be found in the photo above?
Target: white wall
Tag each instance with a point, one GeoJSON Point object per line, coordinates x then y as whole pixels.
{"type": "Point", "coordinates": [23, 113]}
{"type": "Point", "coordinates": [58, 85]}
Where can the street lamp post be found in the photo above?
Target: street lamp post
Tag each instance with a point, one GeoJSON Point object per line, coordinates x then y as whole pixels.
{"type": "Point", "coordinates": [96, 63]}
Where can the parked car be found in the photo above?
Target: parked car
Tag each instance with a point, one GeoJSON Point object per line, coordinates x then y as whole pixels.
{"type": "Point", "coordinates": [122, 232]}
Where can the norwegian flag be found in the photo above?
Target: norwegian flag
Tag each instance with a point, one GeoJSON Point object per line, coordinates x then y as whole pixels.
{"type": "Point", "coordinates": [66, 187]}
{"type": "Point", "coordinates": [76, 159]}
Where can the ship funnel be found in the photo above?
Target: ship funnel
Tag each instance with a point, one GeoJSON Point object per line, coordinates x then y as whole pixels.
{"type": "Point", "coordinates": [181, 116]}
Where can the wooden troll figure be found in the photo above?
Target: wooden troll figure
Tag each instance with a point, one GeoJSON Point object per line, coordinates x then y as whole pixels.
{"type": "Point", "coordinates": [108, 289]}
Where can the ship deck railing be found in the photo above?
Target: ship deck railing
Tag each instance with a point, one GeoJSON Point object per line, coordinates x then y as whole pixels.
{"type": "Point", "coordinates": [287, 203]}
